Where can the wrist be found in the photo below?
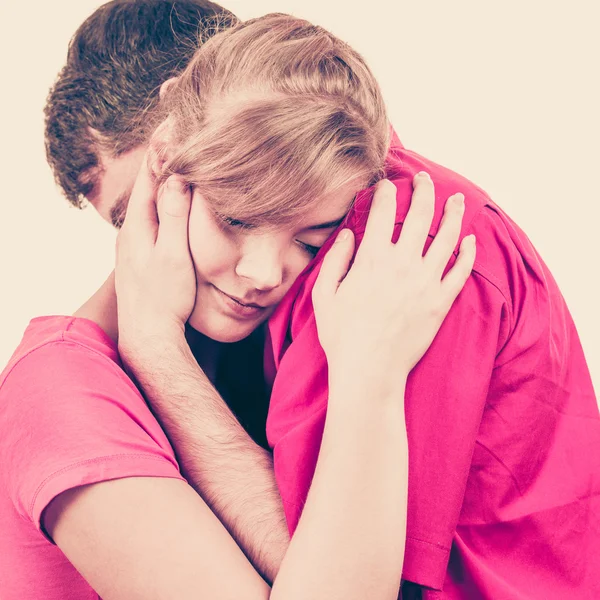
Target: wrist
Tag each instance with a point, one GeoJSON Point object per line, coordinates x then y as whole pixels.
{"type": "Point", "coordinates": [367, 384]}
{"type": "Point", "coordinates": [149, 344]}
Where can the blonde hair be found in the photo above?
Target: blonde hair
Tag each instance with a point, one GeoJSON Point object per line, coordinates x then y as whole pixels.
{"type": "Point", "coordinates": [274, 114]}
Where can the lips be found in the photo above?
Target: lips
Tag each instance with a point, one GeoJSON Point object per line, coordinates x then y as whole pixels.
{"type": "Point", "coordinates": [248, 304]}
{"type": "Point", "coordinates": [237, 308]}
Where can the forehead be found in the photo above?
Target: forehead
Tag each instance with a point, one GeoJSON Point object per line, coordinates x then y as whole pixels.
{"type": "Point", "coordinates": [329, 207]}
{"type": "Point", "coordinates": [332, 206]}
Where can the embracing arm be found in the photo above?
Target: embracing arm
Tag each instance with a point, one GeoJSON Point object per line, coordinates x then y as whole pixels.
{"type": "Point", "coordinates": [232, 473]}
{"type": "Point", "coordinates": [155, 538]}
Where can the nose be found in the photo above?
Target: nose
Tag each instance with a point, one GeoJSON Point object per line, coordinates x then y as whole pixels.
{"type": "Point", "coordinates": [261, 262]}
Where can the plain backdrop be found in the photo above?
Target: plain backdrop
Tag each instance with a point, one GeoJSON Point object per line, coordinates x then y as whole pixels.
{"type": "Point", "coordinates": [505, 93]}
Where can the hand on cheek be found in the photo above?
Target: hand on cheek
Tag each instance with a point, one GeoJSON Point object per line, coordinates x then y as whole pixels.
{"type": "Point", "coordinates": [154, 275]}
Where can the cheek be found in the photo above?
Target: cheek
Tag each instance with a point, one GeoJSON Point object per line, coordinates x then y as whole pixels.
{"type": "Point", "coordinates": [212, 251]}
{"type": "Point", "coordinates": [297, 263]}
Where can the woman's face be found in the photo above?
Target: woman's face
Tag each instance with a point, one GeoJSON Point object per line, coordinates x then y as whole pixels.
{"type": "Point", "coordinates": [243, 271]}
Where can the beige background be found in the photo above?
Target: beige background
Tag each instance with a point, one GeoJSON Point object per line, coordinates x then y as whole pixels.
{"type": "Point", "coordinates": [505, 93]}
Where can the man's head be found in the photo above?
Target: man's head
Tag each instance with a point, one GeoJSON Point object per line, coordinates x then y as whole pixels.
{"type": "Point", "coordinates": [100, 112]}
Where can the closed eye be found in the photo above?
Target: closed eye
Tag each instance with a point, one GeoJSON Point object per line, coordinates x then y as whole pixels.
{"type": "Point", "coordinates": [235, 222]}
{"type": "Point", "coordinates": [310, 250]}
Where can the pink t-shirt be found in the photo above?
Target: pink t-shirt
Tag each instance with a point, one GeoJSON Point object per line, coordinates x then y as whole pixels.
{"type": "Point", "coordinates": [69, 416]}
{"type": "Point", "coordinates": [503, 424]}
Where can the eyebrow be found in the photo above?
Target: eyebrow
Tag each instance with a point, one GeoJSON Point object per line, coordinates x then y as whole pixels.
{"type": "Point", "coordinates": [329, 224]}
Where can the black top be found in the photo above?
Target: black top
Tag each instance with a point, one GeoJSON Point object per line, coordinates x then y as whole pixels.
{"type": "Point", "coordinates": [240, 381]}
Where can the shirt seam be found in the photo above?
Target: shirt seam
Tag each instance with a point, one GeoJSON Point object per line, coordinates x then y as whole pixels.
{"type": "Point", "coordinates": [81, 463]}
{"type": "Point", "coordinates": [477, 266]}
{"type": "Point", "coordinates": [112, 364]}
{"type": "Point", "coordinates": [437, 546]}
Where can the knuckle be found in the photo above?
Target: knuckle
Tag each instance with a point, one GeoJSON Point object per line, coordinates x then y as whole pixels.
{"type": "Point", "coordinates": [170, 257]}
{"type": "Point", "coordinates": [422, 205]}
{"type": "Point", "coordinates": [436, 311]}
{"type": "Point", "coordinates": [423, 197]}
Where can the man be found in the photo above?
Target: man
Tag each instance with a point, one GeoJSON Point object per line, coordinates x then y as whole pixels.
{"type": "Point", "coordinates": [503, 356]}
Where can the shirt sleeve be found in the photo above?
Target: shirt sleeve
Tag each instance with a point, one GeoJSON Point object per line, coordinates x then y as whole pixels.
{"type": "Point", "coordinates": [70, 416]}
{"type": "Point", "coordinates": [444, 402]}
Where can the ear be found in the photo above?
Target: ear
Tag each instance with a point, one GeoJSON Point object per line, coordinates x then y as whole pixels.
{"type": "Point", "coordinates": [164, 88]}
{"type": "Point", "coordinates": [159, 146]}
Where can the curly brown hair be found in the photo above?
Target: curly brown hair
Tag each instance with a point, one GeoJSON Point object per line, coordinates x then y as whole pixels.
{"type": "Point", "coordinates": [105, 94]}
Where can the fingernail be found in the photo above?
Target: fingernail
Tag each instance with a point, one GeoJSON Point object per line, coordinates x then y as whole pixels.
{"type": "Point", "coordinates": [459, 200]}
{"type": "Point", "coordinates": [470, 239]}
{"type": "Point", "coordinates": [175, 183]}
{"type": "Point", "coordinates": [342, 236]}
{"type": "Point", "coordinates": [423, 175]}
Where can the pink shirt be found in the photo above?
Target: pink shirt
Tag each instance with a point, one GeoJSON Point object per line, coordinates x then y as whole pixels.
{"type": "Point", "coordinates": [503, 423]}
{"type": "Point", "coordinates": [69, 416]}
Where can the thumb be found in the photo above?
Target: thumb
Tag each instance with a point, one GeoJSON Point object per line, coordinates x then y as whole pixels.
{"type": "Point", "coordinates": [173, 208]}
{"type": "Point", "coordinates": [334, 268]}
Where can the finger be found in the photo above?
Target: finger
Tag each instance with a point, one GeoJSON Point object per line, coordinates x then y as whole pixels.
{"type": "Point", "coordinates": [445, 241]}
{"type": "Point", "coordinates": [420, 215]}
{"type": "Point", "coordinates": [173, 208]}
{"type": "Point", "coordinates": [382, 217]}
{"type": "Point", "coordinates": [458, 275]}
{"type": "Point", "coordinates": [141, 215]}
{"type": "Point", "coordinates": [334, 268]}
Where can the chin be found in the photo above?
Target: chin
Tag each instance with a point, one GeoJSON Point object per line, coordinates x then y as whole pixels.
{"type": "Point", "coordinates": [221, 330]}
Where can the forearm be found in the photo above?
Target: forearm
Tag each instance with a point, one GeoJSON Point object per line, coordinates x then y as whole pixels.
{"type": "Point", "coordinates": [232, 473]}
{"type": "Point", "coordinates": [356, 507]}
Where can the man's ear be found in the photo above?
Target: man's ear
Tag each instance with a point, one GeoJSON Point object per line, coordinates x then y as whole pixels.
{"type": "Point", "coordinates": [160, 146]}
{"type": "Point", "coordinates": [164, 88]}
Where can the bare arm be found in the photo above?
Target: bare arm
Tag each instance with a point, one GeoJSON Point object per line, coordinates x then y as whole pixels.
{"type": "Point", "coordinates": [349, 543]}
{"type": "Point", "coordinates": [156, 539]}
{"type": "Point", "coordinates": [222, 463]}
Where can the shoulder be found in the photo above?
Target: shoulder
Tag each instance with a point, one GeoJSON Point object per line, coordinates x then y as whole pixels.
{"type": "Point", "coordinates": [67, 369]}
{"type": "Point", "coordinates": [68, 412]}
{"type": "Point", "coordinates": [58, 354]}
{"type": "Point", "coordinates": [53, 336]}
{"type": "Point", "coordinates": [503, 249]}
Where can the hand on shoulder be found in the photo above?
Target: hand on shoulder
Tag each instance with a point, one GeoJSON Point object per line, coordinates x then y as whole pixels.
{"type": "Point", "coordinates": [378, 318]}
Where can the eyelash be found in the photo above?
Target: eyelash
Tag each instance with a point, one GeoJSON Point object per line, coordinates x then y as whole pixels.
{"type": "Point", "coordinates": [310, 250]}
{"type": "Point", "coordinates": [235, 223]}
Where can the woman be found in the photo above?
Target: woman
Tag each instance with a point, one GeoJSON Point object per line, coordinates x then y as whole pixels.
{"type": "Point", "coordinates": [275, 127]}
